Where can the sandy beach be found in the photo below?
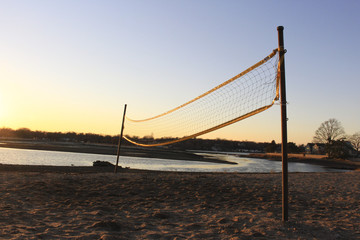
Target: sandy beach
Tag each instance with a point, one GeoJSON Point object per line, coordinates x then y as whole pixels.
{"type": "Point", "coordinates": [158, 205]}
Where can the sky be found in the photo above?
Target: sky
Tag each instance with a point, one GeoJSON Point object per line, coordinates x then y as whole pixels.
{"type": "Point", "coordinates": [72, 65]}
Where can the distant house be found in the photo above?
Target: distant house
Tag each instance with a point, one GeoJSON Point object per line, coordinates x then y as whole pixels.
{"type": "Point", "coordinates": [315, 148]}
{"type": "Point", "coordinates": [350, 149]}
{"type": "Point", "coordinates": [319, 148]}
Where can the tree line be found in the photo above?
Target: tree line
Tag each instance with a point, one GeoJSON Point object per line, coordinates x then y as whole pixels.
{"type": "Point", "coordinates": [331, 134]}
{"type": "Point", "coordinates": [25, 133]}
{"type": "Point", "coordinates": [196, 143]}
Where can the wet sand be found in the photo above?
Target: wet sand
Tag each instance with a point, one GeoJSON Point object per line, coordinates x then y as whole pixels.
{"type": "Point", "coordinates": [166, 205]}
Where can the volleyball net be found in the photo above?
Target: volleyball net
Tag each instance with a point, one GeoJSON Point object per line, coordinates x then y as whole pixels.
{"type": "Point", "coordinates": [252, 91]}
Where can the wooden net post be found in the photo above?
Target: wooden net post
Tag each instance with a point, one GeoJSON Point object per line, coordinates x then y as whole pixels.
{"type": "Point", "coordinates": [285, 207]}
{"type": "Point", "coordinates": [120, 140]}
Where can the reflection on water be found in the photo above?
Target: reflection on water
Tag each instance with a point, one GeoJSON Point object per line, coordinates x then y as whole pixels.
{"type": "Point", "coordinates": [38, 157]}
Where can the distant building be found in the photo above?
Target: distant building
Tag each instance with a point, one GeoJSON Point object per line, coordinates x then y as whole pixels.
{"type": "Point", "coordinates": [320, 148]}
{"type": "Point", "coordinates": [315, 148]}
{"type": "Point", "coordinates": [350, 149]}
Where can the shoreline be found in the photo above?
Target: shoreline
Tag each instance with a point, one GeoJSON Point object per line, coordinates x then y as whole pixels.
{"type": "Point", "coordinates": [133, 151]}
{"type": "Point", "coordinates": [320, 160]}
{"type": "Point", "coordinates": [164, 153]}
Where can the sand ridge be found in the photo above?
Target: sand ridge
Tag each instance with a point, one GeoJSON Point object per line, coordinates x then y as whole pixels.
{"type": "Point", "coordinates": [160, 205]}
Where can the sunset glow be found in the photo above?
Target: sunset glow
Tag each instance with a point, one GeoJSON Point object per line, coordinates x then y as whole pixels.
{"type": "Point", "coordinates": [68, 66]}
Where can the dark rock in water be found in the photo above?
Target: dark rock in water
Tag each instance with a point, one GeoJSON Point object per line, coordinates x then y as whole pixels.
{"type": "Point", "coordinates": [102, 164]}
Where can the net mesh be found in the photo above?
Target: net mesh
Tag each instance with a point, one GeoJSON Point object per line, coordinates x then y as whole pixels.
{"type": "Point", "coordinates": [246, 94]}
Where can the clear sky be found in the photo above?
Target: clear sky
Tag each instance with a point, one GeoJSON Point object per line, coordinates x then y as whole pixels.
{"type": "Point", "coordinates": [72, 65]}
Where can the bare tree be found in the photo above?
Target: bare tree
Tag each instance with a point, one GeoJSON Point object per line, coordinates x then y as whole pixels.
{"type": "Point", "coordinates": [355, 140]}
{"type": "Point", "coordinates": [332, 134]}
{"type": "Point", "coordinates": [329, 131]}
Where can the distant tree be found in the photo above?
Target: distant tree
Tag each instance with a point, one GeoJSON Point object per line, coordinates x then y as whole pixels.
{"type": "Point", "coordinates": [337, 149]}
{"type": "Point", "coordinates": [23, 133]}
{"type": "Point", "coordinates": [7, 132]}
{"type": "Point", "coordinates": [302, 148]}
{"type": "Point", "coordinates": [330, 130]}
{"type": "Point", "coordinates": [54, 136]}
{"type": "Point", "coordinates": [292, 148]}
{"type": "Point", "coordinates": [71, 136]}
{"type": "Point", "coordinates": [270, 148]}
{"type": "Point", "coordinates": [38, 135]}
{"type": "Point", "coordinates": [332, 134]}
{"type": "Point", "coordinates": [355, 141]}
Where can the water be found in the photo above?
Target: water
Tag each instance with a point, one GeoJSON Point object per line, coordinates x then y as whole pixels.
{"type": "Point", "coordinates": [54, 158]}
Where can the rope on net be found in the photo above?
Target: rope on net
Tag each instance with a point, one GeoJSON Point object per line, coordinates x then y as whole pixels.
{"type": "Point", "coordinates": [250, 92]}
